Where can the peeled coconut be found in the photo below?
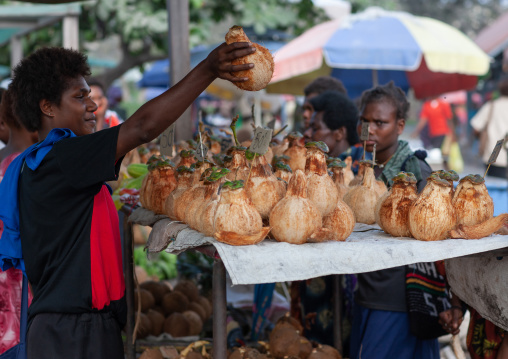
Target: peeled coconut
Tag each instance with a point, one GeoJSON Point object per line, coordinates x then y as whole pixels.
{"type": "Point", "coordinates": [283, 171]}
{"type": "Point", "coordinates": [159, 182]}
{"type": "Point", "coordinates": [295, 218]}
{"type": "Point", "coordinates": [472, 201]}
{"type": "Point", "coordinates": [320, 187]}
{"type": "Point", "coordinates": [261, 74]}
{"type": "Point", "coordinates": [184, 182]}
{"type": "Point", "coordinates": [348, 171]}
{"type": "Point", "coordinates": [187, 158]}
{"type": "Point", "coordinates": [262, 187]}
{"type": "Point", "coordinates": [237, 221]}
{"type": "Point", "coordinates": [236, 162]}
{"type": "Point", "coordinates": [205, 214]}
{"type": "Point", "coordinates": [480, 230]}
{"type": "Point", "coordinates": [393, 210]}
{"type": "Point", "coordinates": [337, 167]}
{"type": "Point", "coordinates": [268, 155]}
{"type": "Point", "coordinates": [341, 221]}
{"type": "Point", "coordinates": [432, 216]}
{"type": "Point", "coordinates": [296, 151]}
{"type": "Point", "coordinates": [192, 199]}
{"type": "Point", "coordinates": [362, 198]}
{"type": "Point", "coordinates": [177, 325]}
{"type": "Point", "coordinates": [196, 190]}
{"type": "Point", "coordinates": [278, 149]}
{"type": "Point", "coordinates": [379, 186]}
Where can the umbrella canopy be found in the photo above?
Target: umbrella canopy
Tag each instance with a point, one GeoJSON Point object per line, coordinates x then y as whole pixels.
{"type": "Point", "coordinates": [493, 39]}
{"type": "Point", "coordinates": [377, 46]}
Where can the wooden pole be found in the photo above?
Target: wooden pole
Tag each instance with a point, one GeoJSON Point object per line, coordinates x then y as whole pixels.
{"type": "Point", "coordinates": [179, 57]}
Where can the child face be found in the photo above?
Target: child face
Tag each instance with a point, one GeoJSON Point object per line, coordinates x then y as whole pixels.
{"type": "Point", "coordinates": [384, 127]}
{"type": "Point", "coordinates": [76, 109]}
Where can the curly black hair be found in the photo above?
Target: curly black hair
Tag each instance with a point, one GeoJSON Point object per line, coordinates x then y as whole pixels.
{"type": "Point", "coordinates": [324, 83]}
{"type": "Point", "coordinates": [6, 112]}
{"type": "Point", "coordinates": [44, 75]}
{"type": "Point", "coordinates": [388, 92]}
{"type": "Point", "coordinates": [339, 111]}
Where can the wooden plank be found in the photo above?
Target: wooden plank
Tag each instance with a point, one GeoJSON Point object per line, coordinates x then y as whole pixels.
{"type": "Point", "coordinates": [179, 57]}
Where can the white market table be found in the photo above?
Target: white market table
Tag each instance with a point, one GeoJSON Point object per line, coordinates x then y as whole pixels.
{"type": "Point", "coordinates": [367, 249]}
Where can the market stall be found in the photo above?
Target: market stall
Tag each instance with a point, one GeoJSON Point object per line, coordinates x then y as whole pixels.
{"type": "Point", "coordinates": [367, 249]}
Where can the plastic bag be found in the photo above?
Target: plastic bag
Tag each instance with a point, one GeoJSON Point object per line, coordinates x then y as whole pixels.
{"type": "Point", "coordinates": [455, 161]}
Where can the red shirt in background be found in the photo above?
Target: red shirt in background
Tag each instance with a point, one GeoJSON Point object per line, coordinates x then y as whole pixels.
{"type": "Point", "coordinates": [437, 112]}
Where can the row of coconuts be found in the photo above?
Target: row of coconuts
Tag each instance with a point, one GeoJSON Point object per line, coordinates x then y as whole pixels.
{"type": "Point", "coordinates": [303, 197]}
{"type": "Point", "coordinates": [440, 211]}
{"type": "Point", "coordinates": [245, 199]}
{"type": "Point", "coordinates": [180, 312]}
{"type": "Point", "coordinates": [285, 342]}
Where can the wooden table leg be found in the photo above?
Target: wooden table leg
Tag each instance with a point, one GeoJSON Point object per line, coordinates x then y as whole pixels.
{"type": "Point", "coordinates": [130, 349]}
{"type": "Point", "coordinates": [337, 312]}
{"type": "Point", "coordinates": [219, 309]}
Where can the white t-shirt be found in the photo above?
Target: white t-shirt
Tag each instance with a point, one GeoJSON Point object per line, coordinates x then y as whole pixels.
{"type": "Point", "coordinates": [497, 128]}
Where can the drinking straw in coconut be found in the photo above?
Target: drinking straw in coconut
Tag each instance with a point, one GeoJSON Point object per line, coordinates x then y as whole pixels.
{"type": "Point", "coordinates": [364, 136]}
{"type": "Point", "coordinates": [373, 155]}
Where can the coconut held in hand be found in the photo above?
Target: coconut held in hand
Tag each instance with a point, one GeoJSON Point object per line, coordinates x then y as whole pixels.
{"type": "Point", "coordinates": [261, 74]}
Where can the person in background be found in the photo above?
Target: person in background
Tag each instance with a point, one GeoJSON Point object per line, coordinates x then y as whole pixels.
{"type": "Point", "coordinates": [105, 117]}
{"type": "Point", "coordinates": [333, 122]}
{"type": "Point", "coordinates": [68, 224]}
{"type": "Point", "coordinates": [493, 118]}
{"type": "Point", "coordinates": [437, 115]}
{"type": "Point", "coordinates": [10, 280]}
{"type": "Point", "coordinates": [381, 328]}
{"type": "Point", "coordinates": [115, 99]}
{"type": "Point", "coordinates": [316, 87]}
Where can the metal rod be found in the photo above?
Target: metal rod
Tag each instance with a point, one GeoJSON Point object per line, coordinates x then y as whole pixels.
{"type": "Point", "coordinates": [219, 309]}
{"type": "Point", "coordinates": [337, 312]}
{"type": "Point", "coordinates": [130, 350]}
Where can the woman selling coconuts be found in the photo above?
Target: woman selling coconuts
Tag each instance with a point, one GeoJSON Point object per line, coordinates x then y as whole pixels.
{"type": "Point", "coordinates": [68, 224]}
{"type": "Point", "coordinates": [381, 321]}
{"type": "Point", "coordinates": [334, 123]}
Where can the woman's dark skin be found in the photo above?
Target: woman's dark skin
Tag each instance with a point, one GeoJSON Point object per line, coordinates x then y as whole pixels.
{"type": "Point", "coordinates": [384, 128]}
{"type": "Point", "coordinates": [76, 110]}
{"type": "Point", "coordinates": [336, 140]}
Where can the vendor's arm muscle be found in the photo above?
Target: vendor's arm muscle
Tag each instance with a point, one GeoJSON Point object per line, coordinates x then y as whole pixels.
{"type": "Point", "coordinates": [158, 114]}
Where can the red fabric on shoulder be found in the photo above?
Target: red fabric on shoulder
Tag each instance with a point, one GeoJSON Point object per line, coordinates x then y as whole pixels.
{"type": "Point", "coordinates": [108, 283]}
